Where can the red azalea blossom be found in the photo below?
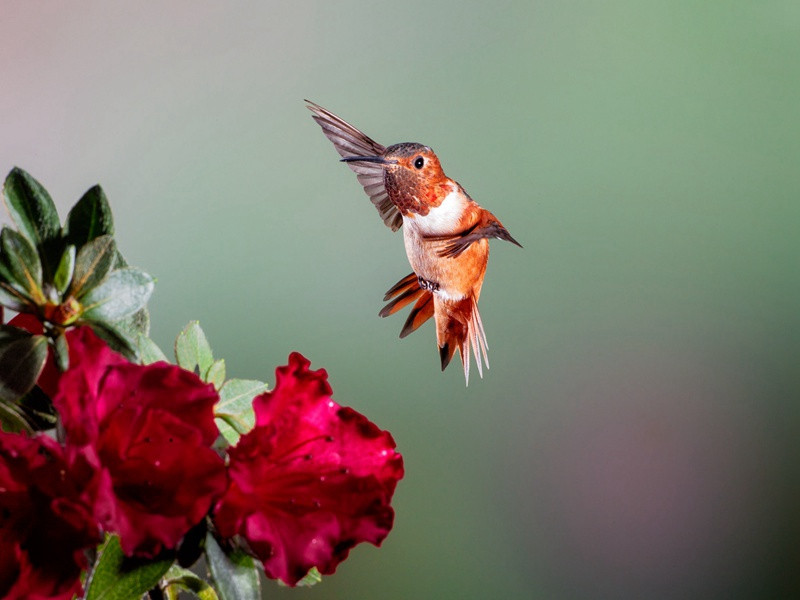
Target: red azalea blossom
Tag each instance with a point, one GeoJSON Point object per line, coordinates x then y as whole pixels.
{"type": "Point", "coordinates": [45, 518]}
{"type": "Point", "coordinates": [310, 481]}
{"type": "Point", "coordinates": [150, 428]}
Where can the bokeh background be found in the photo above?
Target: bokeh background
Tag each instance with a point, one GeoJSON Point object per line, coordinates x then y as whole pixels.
{"type": "Point", "coordinates": [637, 434]}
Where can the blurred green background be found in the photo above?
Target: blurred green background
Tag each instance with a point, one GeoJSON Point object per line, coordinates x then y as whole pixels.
{"type": "Point", "coordinates": [637, 434]}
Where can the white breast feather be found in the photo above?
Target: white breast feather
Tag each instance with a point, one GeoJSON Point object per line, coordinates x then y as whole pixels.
{"type": "Point", "coordinates": [440, 220]}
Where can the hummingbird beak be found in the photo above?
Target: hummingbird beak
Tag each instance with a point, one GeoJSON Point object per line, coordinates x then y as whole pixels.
{"type": "Point", "coordinates": [373, 159]}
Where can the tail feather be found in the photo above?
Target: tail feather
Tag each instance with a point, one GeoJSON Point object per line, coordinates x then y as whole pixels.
{"type": "Point", "coordinates": [446, 354]}
{"type": "Point", "coordinates": [480, 334]}
{"type": "Point", "coordinates": [422, 311]}
{"type": "Point", "coordinates": [458, 322]}
{"type": "Point", "coordinates": [458, 325]}
{"type": "Point", "coordinates": [408, 282]}
{"type": "Point", "coordinates": [401, 301]}
{"type": "Point", "coordinates": [403, 293]}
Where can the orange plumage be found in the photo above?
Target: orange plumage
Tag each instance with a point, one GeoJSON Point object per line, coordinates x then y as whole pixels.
{"type": "Point", "coordinates": [445, 231]}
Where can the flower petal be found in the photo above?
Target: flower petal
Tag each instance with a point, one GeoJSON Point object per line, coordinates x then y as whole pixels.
{"type": "Point", "coordinates": [150, 428]}
{"type": "Point", "coordinates": [45, 517]}
{"type": "Point", "coordinates": [311, 480]}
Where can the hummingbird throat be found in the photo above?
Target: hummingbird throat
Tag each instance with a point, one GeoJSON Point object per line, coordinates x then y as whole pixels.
{"type": "Point", "coordinates": [413, 193]}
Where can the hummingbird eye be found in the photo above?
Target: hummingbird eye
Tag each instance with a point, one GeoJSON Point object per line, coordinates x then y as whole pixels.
{"type": "Point", "coordinates": [419, 162]}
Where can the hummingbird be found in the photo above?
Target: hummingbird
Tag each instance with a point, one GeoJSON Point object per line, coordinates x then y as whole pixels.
{"type": "Point", "coordinates": [446, 235]}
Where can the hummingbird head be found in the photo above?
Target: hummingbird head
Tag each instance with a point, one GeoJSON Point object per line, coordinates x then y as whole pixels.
{"type": "Point", "coordinates": [412, 176]}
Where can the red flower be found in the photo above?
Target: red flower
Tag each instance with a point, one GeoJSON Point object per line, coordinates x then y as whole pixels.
{"type": "Point", "coordinates": [150, 428]}
{"type": "Point", "coordinates": [45, 518]}
{"type": "Point", "coordinates": [310, 481]}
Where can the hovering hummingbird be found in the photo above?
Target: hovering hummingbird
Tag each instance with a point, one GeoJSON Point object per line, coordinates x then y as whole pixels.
{"type": "Point", "coordinates": [445, 231]}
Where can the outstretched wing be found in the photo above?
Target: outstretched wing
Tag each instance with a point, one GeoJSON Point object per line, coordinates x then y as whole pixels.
{"type": "Point", "coordinates": [349, 141]}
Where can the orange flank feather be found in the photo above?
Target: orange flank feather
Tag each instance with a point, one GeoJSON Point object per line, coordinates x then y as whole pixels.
{"type": "Point", "coordinates": [422, 311]}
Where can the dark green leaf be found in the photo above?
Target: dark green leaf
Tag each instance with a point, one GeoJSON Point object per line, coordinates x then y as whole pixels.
{"type": "Point", "coordinates": [6, 274]}
{"type": "Point", "coordinates": [65, 269]}
{"type": "Point", "coordinates": [216, 373]}
{"type": "Point", "coordinates": [92, 264]}
{"type": "Point", "coordinates": [31, 208]}
{"type": "Point", "coordinates": [234, 573]}
{"type": "Point", "coordinates": [120, 262]}
{"type": "Point", "coordinates": [9, 333]}
{"type": "Point", "coordinates": [117, 339]}
{"type": "Point", "coordinates": [61, 352]}
{"type": "Point", "coordinates": [236, 400]}
{"type": "Point", "coordinates": [14, 420]}
{"type": "Point", "coordinates": [89, 218]}
{"type": "Point", "coordinates": [192, 351]}
{"type": "Point", "coordinates": [12, 298]}
{"type": "Point", "coordinates": [124, 292]}
{"type": "Point", "coordinates": [22, 358]}
{"type": "Point", "coordinates": [116, 577]}
{"type": "Point", "coordinates": [192, 545]}
{"type": "Point", "coordinates": [21, 261]}
{"type": "Point", "coordinates": [38, 409]}
{"type": "Point", "coordinates": [149, 352]}
{"type": "Point", "coordinates": [186, 580]}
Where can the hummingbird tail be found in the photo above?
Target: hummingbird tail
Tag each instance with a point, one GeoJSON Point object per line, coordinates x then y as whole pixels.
{"type": "Point", "coordinates": [403, 293]}
{"type": "Point", "coordinates": [459, 326]}
{"type": "Point", "coordinates": [422, 311]}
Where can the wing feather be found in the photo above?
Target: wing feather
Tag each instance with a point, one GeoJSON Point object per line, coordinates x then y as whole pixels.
{"type": "Point", "coordinates": [350, 141]}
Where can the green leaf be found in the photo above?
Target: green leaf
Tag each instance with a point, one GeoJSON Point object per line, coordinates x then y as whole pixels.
{"type": "Point", "coordinates": [312, 578]}
{"type": "Point", "coordinates": [136, 324]}
{"type": "Point", "coordinates": [149, 352]}
{"type": "Point", "coordinates": [234, 573]}
{"type": "Point", "coordinates": [14, 420]}
{"type": "Point", "coordinates": [12, 298]}
{"type": "Point", "coordinates": [22, 358]}
{"type": "Point", "coordinates": [192, 350]}
{"type": "Point", "coordinates": [31, 208]}
{"type": "Point", "coordinates": [65, 269]}
{"type": "Point", "coordinates": [21, 262]}
{"type": "Point", "coordinates": [6, 274]}
{"type": "Point", "coordinates": [92, 264]}
{"type": "Point", "coordinates": [89, 218]}
{"type": "Point", "coordinates": [236, 401]}
{"type": "Point", "coordinates": [216, 373]}
{"type": "Point", "coordinates": [191, 582]}
{"type": "Point", "coordinates": [123, 292]}
{"type": "Point", "coordinates": [61, 352]}
{"type": "Point", "coordinates": [38, 409]}
{"type": "Point", "coordinates": [9, 333]}
{"type": "Point", "coordinates": [117, 339]}
{"type": "Point", "coordinates": [116, 577]}
{"type": "Point", "coordinates": [120, 262]}
{"type": "Point", "coordinates": [33, 211]}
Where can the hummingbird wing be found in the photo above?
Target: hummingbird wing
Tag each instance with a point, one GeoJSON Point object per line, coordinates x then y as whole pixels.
{"type": "Point", "coordinates": [349, 141]}
{"type": "Point", "coordinates": [461, 241]}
